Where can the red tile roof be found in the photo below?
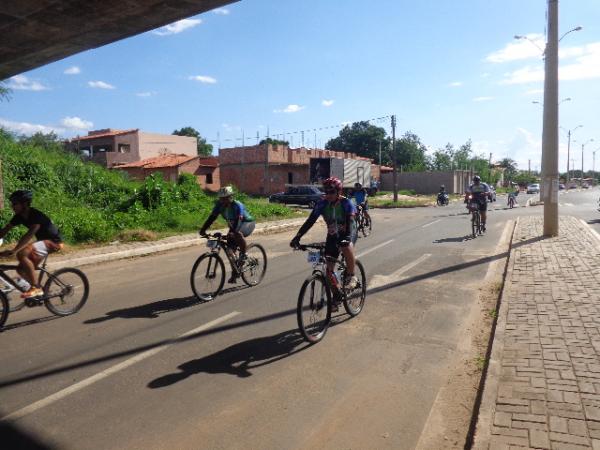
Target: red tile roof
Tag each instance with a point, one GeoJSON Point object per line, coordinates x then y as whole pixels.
{"type": "Point", "coordinates": [169, 160]}
{"type": "Point", "coordinates": [101, 135]}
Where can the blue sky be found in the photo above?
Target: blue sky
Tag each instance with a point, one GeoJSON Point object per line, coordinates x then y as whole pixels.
{"type": "Point", "coordinates": [449, 70]}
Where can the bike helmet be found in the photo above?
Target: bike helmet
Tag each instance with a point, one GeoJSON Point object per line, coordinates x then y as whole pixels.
{"type": "Point", "coordinates": [226, 191]}
{"type": "Point", "coordinates": [21, 196]}
{"type": "Point", "coordinates": [333, 182]}
{"type": "Point", "coordinates": [357, 186]}
{"type": "Point", "coordinates": [476, 179]}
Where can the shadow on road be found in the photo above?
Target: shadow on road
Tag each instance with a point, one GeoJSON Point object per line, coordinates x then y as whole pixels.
{"type": "Point", "coordinates": [15, 438]}
{"type": "Point", "coordinates": [26, 323]}
{"type": "Point", "coordinates": [453, 239]}
{"type": "Point", "coordinates": [238, 359]}
{"type": "Point", "coordinates": [593, 221]}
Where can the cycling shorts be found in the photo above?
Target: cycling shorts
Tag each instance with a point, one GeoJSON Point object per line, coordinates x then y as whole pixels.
{"type": "Point", "coordinates": [332, 243]}
{"type": "Point", "coordinates": [246, 228]}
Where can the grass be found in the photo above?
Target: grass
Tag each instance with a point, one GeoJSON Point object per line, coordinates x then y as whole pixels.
{"type": "Point", "coordinates": [412, 203]}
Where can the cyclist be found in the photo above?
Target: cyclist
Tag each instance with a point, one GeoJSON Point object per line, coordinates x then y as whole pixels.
{"type": "Point", "coordinates": [338, 213]}
{"type": "Point", "coordinates": [481, 193]}
{"type": "Point", "coordinates": [241, 223]}
{"type": "Point", "coordinates": [361, 197]}
{"type": "Point", "coordinates": [442, 194]}
{"type": "Point", "coordinates": [513, 196]}
{"type": "Point", "coordinates": [48, 239]}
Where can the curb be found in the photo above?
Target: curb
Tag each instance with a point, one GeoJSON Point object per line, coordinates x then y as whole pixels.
{"type": "Point", "coordinates": [157, 247]}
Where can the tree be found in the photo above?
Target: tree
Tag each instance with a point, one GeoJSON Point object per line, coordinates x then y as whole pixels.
{"type": "Point", "coordinates": [42, 140]}
{"type": "Point", "coordinates": [4, 92]}
{"type": "Point", "coordinates": [510, 168]}
{"type": "Point", "coordinates": [363, 139]}
{"type": "Point", "coordinates": [411, 153]}
{"type": "Point", "coordinates": [462, 157]}
{"type": "Point", "coordinates": [203, 148]}
{"type": "Point", "coordinates": [273, 142]}
{"type": "Point", "coordinates": [442, 158]}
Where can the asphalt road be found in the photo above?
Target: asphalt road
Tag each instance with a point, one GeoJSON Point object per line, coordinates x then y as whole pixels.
{"type": "Point", "coordinates": [240, 376]}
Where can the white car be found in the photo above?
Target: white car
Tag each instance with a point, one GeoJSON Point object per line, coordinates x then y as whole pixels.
{"type": "Point", "coordinates": [533, 188]}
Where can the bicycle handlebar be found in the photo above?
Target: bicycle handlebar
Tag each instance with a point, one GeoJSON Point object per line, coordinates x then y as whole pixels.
{"type": "Point", "coordinates": [315, 245]}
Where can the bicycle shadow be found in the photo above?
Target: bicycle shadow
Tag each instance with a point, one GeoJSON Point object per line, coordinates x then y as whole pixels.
{"type": "Point", "coordinates": [238, 359]}
{"type": "Point", "coordinates": [465, 238]}
{"type": "Point", "coordinates": [25, 323]}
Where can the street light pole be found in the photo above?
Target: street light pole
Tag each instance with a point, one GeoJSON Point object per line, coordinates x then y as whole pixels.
{"type": "Point", "coordinates": [395, 173]}
{"type": "Point", "coordinates": [569, 132]}
{"type": "Point", "coordinates": [550, 127]}
{"type": "Point", "coordinates": [582, 146]}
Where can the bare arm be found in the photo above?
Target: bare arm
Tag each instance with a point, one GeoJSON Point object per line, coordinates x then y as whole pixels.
{"type": "Point", "coordinates": [24, 241]}
{"type": "Point", "coordinates": [4, 231]}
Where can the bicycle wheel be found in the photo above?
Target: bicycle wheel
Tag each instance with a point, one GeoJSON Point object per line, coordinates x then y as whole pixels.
{"type": "Point", "coordinates": [474, 226]}
{"type": "Point", "coordinates": [255, 265]}
{"type": "Point", "coordinates": [354, 300]}
{"type": "Point", "coordinates": [314, 308]}
{"type": "Point", "coordinates": [478, 222]}
{"type": "Point", "coordinates": [366, 226]}
{"type": "Point", "coordinates": [208, 276]}
{"type": "Point", "coordinates": [3, 309]}
{"type": "Point", "coordinates": [66, 291]}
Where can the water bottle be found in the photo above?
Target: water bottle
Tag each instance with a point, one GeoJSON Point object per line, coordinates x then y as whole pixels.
{"type": "Point", "coordinates": [22, 284]}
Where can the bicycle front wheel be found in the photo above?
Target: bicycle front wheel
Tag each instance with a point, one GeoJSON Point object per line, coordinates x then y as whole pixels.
{"type": "Point", "coordinates": [366, 226]}
{"type": "Point", "coordinates": [474, 225]}
{"type": "Point", "coordinates": [354, 300]}
{"type": "Point", "coordinates": [255, 266]}
{"type": "Point", "coordinates": [3, 309]}
{"type": "Point", "coordinates": [314, 308]}
{"type": "Point", "coordinates": [66, 291]}
{"type": "Point", "coordinates": [208, 276]}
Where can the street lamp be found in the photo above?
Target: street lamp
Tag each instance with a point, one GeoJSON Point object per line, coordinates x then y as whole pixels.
{"type": "Point", "coordinates": [594, 166]}
{"type": "Point", "coordinates": [582, 146]}
{"type": "Point", "coordinates": [569, 132]}
{"type": "Point", "coordinates": [568, 99]}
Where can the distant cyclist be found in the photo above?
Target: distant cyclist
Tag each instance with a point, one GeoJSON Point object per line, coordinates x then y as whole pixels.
{"type": "Point", "coordinates": [338, 213]}
{"type": "Point", "coordinates": [481, 193]}
{"type": "Point", "coordinates": [241, 223]}
{"type": "Point", "coordinates": [361, 197]}
{"type": "Point", "coordinates": [47, 239]}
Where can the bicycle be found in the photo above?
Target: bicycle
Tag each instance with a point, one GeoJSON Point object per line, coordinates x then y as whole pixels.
{"type": "Point", "coordinates": [476, 225]}
{"type": "Point", "coordinates": [208, 272]}
{"type": "Point", "coordinates": [321, 289]}
{"type": "Point", "coordinates": [363, 223]}
{"type": "Point", "coordinates": [511, 200]}
{"type": "Point", "coordinates": [65, 291]}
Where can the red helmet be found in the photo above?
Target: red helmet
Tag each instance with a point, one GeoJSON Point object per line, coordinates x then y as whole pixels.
{"type": "Point", "coordinates": [333, 182]}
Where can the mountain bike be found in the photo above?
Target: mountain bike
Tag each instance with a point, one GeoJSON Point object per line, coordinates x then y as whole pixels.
{"type": "Point", "coordinates": [511, 201]}
{"type": "Point", "coordinates": [363, 223]}
{"type": "Point", "coordinates": [476, 225]}
{"type": "Point", "coordinates": [65, 291]}
{"type": "Point", "coordinates": [321, 290]}
{"type": "Point", "coordinates": [208, 272]}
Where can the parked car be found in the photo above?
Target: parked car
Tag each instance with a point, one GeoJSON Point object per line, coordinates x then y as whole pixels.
{"type": "Point", "coordinates": [585, 186]}
{"type": "Point", "coordinates": [533, 188]}
{"type": "Point", "coordinates": [298, 195]}
{"type": "Point", "coordinates": [561, 186]}
{"type": "Point", "coordinates": [492, 193]}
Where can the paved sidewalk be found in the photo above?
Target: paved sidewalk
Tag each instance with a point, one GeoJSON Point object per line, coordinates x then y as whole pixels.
{"type": "Point", "coordinates": [542, 388]}
{"type": "Point", "coordinates": [130, 249]}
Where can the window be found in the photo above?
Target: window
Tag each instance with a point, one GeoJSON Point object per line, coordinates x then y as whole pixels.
{"type": "Point", "coordinates": [209, 179]}
{"type": "Point", "coordinates": [290, 178]}
{"type": "Point", "coordinates": [124, 148]}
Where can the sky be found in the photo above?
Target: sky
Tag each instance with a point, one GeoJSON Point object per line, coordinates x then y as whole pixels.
{"type": "Point", "coordinates": [449, 70]}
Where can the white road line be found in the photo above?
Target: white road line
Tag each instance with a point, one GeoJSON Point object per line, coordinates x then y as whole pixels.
{"type": "Point", "coordinates": [380, 280]}
{"type": "Point", "coordinates": [372, 249]}
{"type": "Point", "coordinates": [111, 370]}
{"type": "Point", "coordinates": [430, 223]}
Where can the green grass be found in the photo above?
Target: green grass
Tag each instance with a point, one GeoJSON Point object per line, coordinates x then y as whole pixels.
{"type": "Point", "coordinates": [413, 203]}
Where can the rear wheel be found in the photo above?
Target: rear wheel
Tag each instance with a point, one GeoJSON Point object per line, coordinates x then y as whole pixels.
{"type": "Point", "coordinates": [366, 226]}
{"type": "Point", "coordinates": [314, 308]}
{"type": "Point", "coordinates": [66, 291]}
{"type": "Point", "coordinates": [354, 300]}
{"type": "Point", "coordinates": [255, 265]}
{"type": "Point", "coordinates": [208, 276]}
{"type": "Point", "coordinates": [3, 309]}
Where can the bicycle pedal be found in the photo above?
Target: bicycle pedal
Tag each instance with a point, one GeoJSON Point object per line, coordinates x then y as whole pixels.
{"type": "Point", "coordinates": [34, 301]}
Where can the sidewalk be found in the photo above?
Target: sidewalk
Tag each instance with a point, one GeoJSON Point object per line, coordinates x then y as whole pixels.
{"type": "Point", "coordinates": [130, 249]}
{"type": "Point", "coordinates": [542, 388]}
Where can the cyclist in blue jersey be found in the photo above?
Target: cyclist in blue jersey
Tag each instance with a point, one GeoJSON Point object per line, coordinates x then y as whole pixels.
{"type": "Point", "coordinates": [338, 213]}
{"type": "Point", "coordinates": [361, 197]}
{"type": "Point", "coordinates": [241, 223]}
{"type": "Point", "coordinates": [481, 193]}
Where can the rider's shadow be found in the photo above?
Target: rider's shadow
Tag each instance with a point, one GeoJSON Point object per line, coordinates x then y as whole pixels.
{"type": "Point", "coordinates": [454, 239]}
{"type": "Point", "coordinates": [238, 359]}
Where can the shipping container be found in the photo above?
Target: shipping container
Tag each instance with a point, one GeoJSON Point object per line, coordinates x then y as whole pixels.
{"type": "Point", "coordinates": [350, 171]}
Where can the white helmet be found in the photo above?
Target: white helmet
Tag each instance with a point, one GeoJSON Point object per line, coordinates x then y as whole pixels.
{"type": "Point", "coordinates": [226, 191]}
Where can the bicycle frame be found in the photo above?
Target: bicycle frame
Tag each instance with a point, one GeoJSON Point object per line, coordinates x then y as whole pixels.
{"type": "Point", "coordinates": [223, 245]}
{"type": "Point", "coordinates": [8, 279]}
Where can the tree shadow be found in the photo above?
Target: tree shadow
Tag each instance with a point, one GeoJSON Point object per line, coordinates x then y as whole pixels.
{"type": "Point", "coordinates": [238, 359]}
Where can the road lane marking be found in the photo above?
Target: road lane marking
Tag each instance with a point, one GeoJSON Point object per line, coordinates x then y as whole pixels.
{"type": "Point", "coordinates": [372, 249]}
{"type": "Point", "coordinates": [110, 371]}
{"type": "Point", "coordinates": [381, 280]}
{"type": "Point", "coordinates": [430, 223]}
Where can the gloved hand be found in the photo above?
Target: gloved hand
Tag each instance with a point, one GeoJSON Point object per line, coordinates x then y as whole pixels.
{"type": "Point", "coordinates": [295, 243]}
{"type": "Point", "coordinates": [202, 232]}
{"type": "Point", "coordinates": [345, 242]}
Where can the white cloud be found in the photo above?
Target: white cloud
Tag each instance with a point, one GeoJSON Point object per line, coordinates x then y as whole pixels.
{"type": "Point", "coordinates": [483, 99]}
{"type": "Point", "coordinates": [22, 83]}
{"type": "Point", "coordinates": [177, 27]}
{"type": "Point", "coordinates": [456, 84]}
{"type": "Point", "coordinates": [203, 79]}
{"type": "Point", "coordinates": [100, 85]}
{"type": "Point", "coordinates": [534, 92]}
{"type": "Point", "coordinates": [327, 102]}
{"type": "Point", "coordinates": [27, 128]}
{"type": "Point", "coordinates": [221, 11]}
{"type": "Point", "coordinates": [73, 70]}
{"type": "Point", "coordinates": [290, 109]}
{"type": "Point", "coordinates": [519, 49]}
{"type": "Point", "coordinates": [75, 123]}
{"type": "Point", "coordinates": [145, 94]}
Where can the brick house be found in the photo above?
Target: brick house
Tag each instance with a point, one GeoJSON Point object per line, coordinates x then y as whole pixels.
{"type": "Point", "coordinates": [206, 169]}
{"type": "Point", "coordinates": [109, 147]}
{"type": "Point", "coordinates": [266, 169]}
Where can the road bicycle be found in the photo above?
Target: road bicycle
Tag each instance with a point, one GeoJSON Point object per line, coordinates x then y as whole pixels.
{"type": "Point", "coordinates": [476, 225]}
{"type": "Point", "coordinates": [65, 291]}
{"type": "Point", "coordinates": [208, 273]}
{"type": "Point", "coordinates": [363, 223]}
{"type": "Point", "coordinates": [323, 289]}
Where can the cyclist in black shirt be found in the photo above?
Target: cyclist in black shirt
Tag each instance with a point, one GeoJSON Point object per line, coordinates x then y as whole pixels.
{"type": "Point", "coordinates": [48, 238]}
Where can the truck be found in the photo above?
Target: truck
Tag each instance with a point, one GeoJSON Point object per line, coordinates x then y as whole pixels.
{"type": "Point", "coordinates": [350, 171]}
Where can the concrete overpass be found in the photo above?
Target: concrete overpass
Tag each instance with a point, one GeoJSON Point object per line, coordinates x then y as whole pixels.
{"type": "Point", "coordinates": [38, 32]}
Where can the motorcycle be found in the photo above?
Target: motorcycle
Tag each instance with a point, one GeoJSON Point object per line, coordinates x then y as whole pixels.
{"type": "Point", "coordinates": [442, 199]}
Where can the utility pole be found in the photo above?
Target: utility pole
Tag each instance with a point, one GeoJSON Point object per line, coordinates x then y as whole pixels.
{"type": "Point", "coordinates": [594, 167]}
{"type": "Point", "coordinates": [242, 168]}
{"type": "Point", "coordinates": [395, 173]}
{"type": "Point", "coordinates": [380, 153]}
{"type": "Point", "coordinates": [568, 154]}
{"type": "Point", "coordinates": [302, 139]}
{"type": "Point", "coordinates": [582, 145]}
{"type": "Point", "coordinates": [550, 128]}
{"type": "Point", "coordinates": [529, 168]}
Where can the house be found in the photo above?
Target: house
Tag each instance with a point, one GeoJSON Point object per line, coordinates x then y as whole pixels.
{"type": "Point", "coordinates": [206, 169]}
{"type": "Point", "coordinates": [109, 147]}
